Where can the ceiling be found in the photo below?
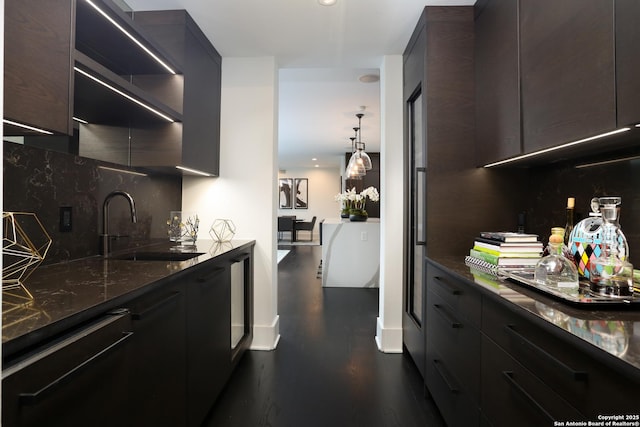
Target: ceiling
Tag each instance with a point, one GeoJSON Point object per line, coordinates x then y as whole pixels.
{"type": "Point", "coordinates": [321, 52]}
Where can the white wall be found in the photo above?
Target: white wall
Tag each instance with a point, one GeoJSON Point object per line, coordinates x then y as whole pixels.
{"type": "Point", "coordinates": [389, 325]}
{"type": "Point", "coordinates": [246, 190]}
{"type": "Point", "coordinates": [323, 185]}
{"type": "Point", "coordinates": [248, 194]}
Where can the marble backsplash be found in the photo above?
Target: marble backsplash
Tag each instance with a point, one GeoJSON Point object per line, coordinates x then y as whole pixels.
{"type": "Point", "coordinates": [550, 186]}
{"type": "Point", "coordinates": [42, 181]}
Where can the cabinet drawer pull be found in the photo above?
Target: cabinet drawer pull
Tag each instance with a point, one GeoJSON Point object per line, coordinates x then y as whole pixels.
{"type": "Point", "coordinates": [36, 397]}
{"type": "Point", "coordinates": [445, 284]}
{"type": "Point", "coordinates": [447, 316]}
{"type": "Point", "coordinates": [241, 257]}
{"type": "Point", "coordinates": [211, 275]}
{"type": "Point", "coordinates": [576, 375]}
{"type": "Point", "coordinates": [156, 306]}
{"type": "Point", "coordinates": [445, 376]}
{"type": "Point", "coordinates": [508, 377]}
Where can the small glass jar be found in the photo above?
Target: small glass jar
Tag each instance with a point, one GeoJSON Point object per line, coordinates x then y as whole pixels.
{"type": "Point", "coordinates": [182, 227]}
{"type": "Point", "coordinates": [554, 270]}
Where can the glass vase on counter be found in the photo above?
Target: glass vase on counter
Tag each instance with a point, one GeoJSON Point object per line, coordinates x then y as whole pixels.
{"type": "Point", "coordinates": [555, 270]}
{"type": "Point", "coordinates": [610, 273]}
{"type": "Point", "coordinates": [182, 227]}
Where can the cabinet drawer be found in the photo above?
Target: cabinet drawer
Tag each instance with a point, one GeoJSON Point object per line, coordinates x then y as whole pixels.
{"type": "Point", "coordinates": [462, 298]}
{"type": "Point", "coordinates": [511, 395]}
{"type": "Point", "coordinates": [578, 373]}
{"type": "Point", "coordinates": [453, 339]}
{"type": "Point", "coordinates": [79, 380]}
{"type": "Point", "coordinates": [457, 406]}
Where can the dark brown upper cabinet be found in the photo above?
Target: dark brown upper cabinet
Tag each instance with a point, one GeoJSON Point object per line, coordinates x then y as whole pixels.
{"type": "Point", "coordinates": [201, 66]}
{"type": "Point", "coordinates": [67, 59]}
{"type": "Point", "coordinates": [107, 53]}
{"type": "Point", "coordinates": [38, 49]}
{"type": "Point", "coordinates": [497, 82]}
{"type": "Point", "coordinates": [567, 62]}
{"type": "Point", "coordinates": [627, 61]}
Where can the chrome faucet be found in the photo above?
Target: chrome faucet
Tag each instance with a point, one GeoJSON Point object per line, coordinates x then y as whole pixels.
{"type": "Point", "coordinates": [105, 238]}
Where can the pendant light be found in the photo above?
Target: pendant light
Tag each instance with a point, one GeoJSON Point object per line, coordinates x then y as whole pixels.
{"type": "Point", "coordinates": [355, 168]}
{"type": "Point", "coordinates": [360, 147]}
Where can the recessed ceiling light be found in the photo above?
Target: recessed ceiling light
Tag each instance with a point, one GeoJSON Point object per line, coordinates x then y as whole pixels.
{"type": "Point", "coordinates": [314, 159]}
{"type": "Point", "coordinates": [327, 2]}
{"type": "Point", "coordinates": [369, 78]}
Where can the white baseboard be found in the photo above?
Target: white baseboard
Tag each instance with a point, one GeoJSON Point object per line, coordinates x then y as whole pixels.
{"type": "Point", "coordinates": [389, 340]}
{"type": "Point", "coordinates": [266, 337]}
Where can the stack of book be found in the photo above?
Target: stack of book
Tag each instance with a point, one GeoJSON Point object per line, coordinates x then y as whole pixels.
{"type": "Point", "coordinates": [494, 250]}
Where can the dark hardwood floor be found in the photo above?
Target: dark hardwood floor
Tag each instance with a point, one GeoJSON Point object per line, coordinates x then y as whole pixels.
{"type": "Point", "coordinates": [326, 370]}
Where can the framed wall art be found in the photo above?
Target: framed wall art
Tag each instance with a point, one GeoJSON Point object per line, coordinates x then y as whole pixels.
{"type": "Point", "coordinates": [285, 189]}
{"type": "Point", "coordinates": [302, 193]}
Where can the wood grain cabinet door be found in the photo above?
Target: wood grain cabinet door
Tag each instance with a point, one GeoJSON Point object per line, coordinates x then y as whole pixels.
{"type": "Point", "coordinates": [567, 70]}
{"type": "Point", "coordinates": [208, 338]}
{"type": "Point", "coordinates": [37, 63]}
{"type": "Point", "coordinates": [497, 82]}
{"type": "Point", "coordinates": [627, 61]}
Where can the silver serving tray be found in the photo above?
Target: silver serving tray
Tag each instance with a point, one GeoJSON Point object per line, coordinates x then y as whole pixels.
{"type": "Point", "coordinates": [581, 297]}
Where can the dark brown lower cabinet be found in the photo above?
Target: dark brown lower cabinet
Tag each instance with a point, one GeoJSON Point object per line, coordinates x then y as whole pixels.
{"type": "Point", "coordinates": [513, 395]}
{"type": "Point", "coordinates": [208, 338]}
{"type": "Point", "coordinates": [493, 362]}
{"type": "Point", "coordinates": [161, 361]}
{"type": "Point", "coordinates": [79, 380]}
{"type": "Point", "coordinates": [590, 380]}
{"type": "Point", "coordinates": [452, 365]}
{"type": "Point", "coordinates": [158, 358]}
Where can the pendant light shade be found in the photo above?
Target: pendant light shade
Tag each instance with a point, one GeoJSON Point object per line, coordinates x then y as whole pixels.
{"type": "Point", "coordinates": [364, 157]}
{"type": "Point", "coordinates": [360, 147]}
{"type": "Point", "coordinates": [360, 162]}
{"type": "Point", "coordinates": [355, 168]}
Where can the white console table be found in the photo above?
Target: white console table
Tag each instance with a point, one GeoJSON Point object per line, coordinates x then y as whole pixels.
{"type": "Point", "coordinates": [351, 253]}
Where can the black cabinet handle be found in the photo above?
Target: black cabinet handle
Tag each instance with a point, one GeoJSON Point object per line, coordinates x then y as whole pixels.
{"type": "Point", "coordinates": [421, 206]}
{"type": "Point", "coordinates": [447, 316]}
{"type": "Point", "coordinates": [576, 375]}
{"type": "Point", "coordinates": [157, 306]}
{"type": "Point", "coordinates": [241, 257]}
{"type": "Point", "coordinates": [445, 376]}
{"type": "Point", "coordinates": [211, 275]}
{"type": "Point", "coordinates": [445, 284]}
{"type": "Point", "coordinates": [508, 376]}
{"type": "Point", "coordinates": [36, 397]}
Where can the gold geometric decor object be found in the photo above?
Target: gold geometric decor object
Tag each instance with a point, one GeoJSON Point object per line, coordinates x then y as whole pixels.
{"type": "Point", "coordinates": [25, 243]}
{"type": "Point", "coordinates": [222, 230]}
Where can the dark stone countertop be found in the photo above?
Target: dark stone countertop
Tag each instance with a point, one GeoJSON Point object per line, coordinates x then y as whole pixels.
{"type": "Point", "coordinates": [614, 330]}
{"type": "Point", "coordinates": [66, 294]}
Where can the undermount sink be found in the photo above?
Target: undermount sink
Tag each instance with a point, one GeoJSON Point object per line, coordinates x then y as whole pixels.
{"type": "Point", "coordinates": [158, 256]}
